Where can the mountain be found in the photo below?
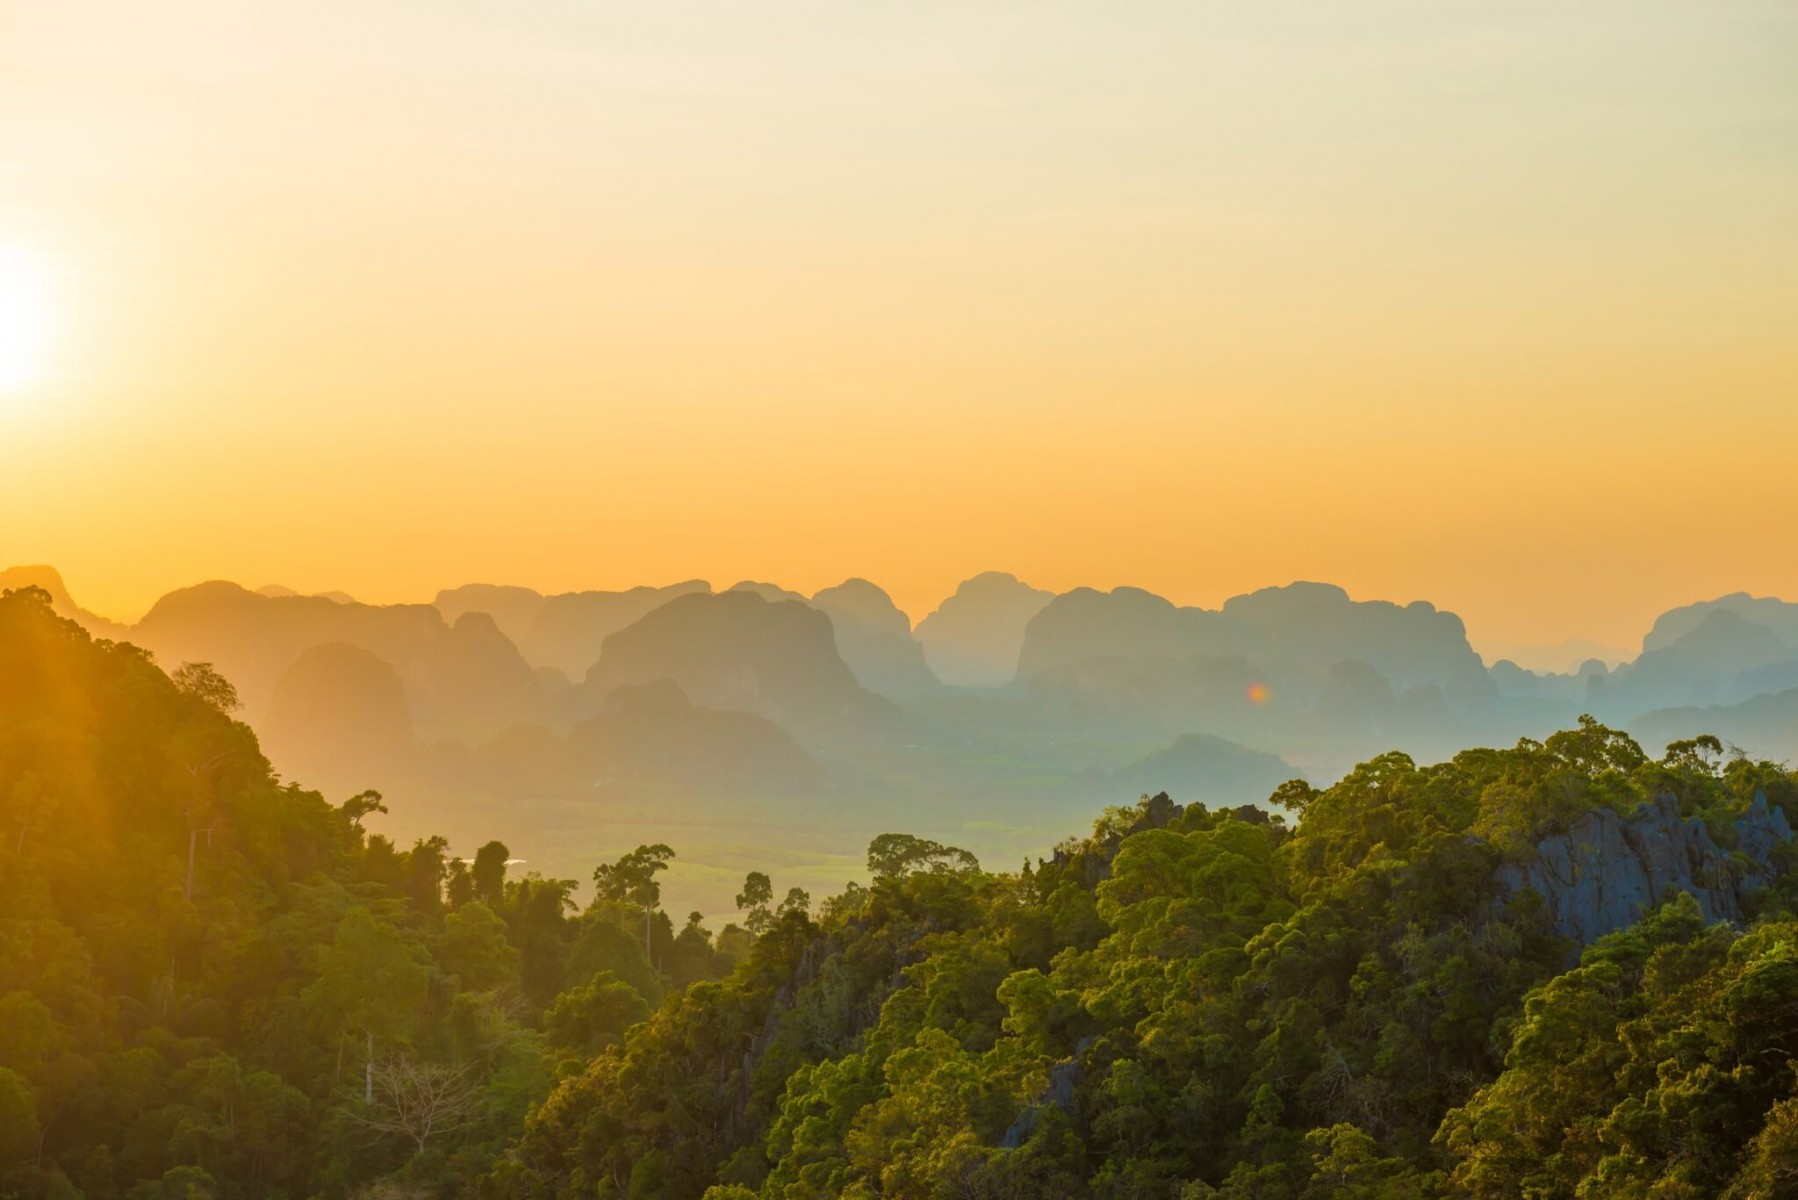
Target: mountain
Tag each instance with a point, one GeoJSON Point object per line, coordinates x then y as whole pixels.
{"type": "Point", "coordinates": [61, 602]}
{"type": "Point", "coordinates": [875, 639]}
{"type": "Point", "coordinates": [1765, 726]}
{"type": "Point", "coordinates": [563, 631]}
{"type": "Point", "coordinates": [252, 639]}
{"type": "Point", "coordinates": [653, 732]}
{"type": "Point", "coordinates": [1701, 666]}
{"type": "Point", "coordinates": [338, 718]}
{"type": "Point", "coordinates": [974, 637]}
{"type": "Point", "coordinates": [465, 680]}
{"type": "Point", "coordinates": [1777, 615]}
{"type": "Point", "coordinates": [649, 734]}
{"type": "Point", "coordinates": [1199, 767]}
{"type": "Point", "coordinates": [768, 591]}
{"type": "Point", "coordinates": [279, 590]}
{"type": "Point", "coordinates": [1564, 657]}
{"type": "Point", "coordinates": [736, 650]}
{"type": "Point", "coordinates": [475, 681]}
{"type": "Point", "coordinates": [1294, 633]}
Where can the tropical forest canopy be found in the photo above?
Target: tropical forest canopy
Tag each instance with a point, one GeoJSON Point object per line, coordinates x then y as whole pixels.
{"type": "Point", "coordinates": [214, 983]}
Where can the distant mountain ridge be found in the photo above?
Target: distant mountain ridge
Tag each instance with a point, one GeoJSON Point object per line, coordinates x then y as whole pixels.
{"type": "Point", "coordinates": [739, 650]}
{"type": "Point", "coordinates": [1780, 616]}
{"type": "Point", "coordinates": [563, 631]}
{"type": "Point", "coordinates": [973, 639]}
{"type": "Point", "coordinates": [1301, 629]}
{"type": "Point", "coordinates": [1005, 691]}
{"type": "Point", "coordinates": [50, 580]}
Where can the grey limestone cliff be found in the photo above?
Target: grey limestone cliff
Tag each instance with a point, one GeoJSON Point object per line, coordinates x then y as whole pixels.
{"type": "Point", "coordinates": [1605, 871]}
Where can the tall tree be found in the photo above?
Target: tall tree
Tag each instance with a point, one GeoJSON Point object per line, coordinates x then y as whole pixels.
{"type": "Point", "coordinates": [757, 894]}
{"type": "Point", "coordinates": [489, 873]}
{"type": "Point", "coordinates": [632, 879]}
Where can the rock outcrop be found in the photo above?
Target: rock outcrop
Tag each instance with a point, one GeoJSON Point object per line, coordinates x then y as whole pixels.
{"type": "Point", "coordinates": [1606, 871]}
{"type": "Point", "coordinates": [1062, 1092]}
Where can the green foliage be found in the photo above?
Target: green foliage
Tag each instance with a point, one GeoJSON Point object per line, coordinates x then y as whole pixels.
{"type": "Point", "coordinates": [753, 900]}
{"type": "Point", "coordinates": [585, 1020]}
{"type": "Point", "coordinates": [892, 855]}
{"type": "Point", "coordinates": [1197, 1003]}
{"type": "Point", "coordinates": [204, 973]}
{"type": "Point", "coordinates": [216, 985]}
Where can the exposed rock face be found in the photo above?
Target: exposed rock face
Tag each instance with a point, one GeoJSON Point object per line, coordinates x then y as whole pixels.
{"type": "Point", "coordinates": [1062, 1093]}
{"type": "Point", "coordinates": [1605, 872]}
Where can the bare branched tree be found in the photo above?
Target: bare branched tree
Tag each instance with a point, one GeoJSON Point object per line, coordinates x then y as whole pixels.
{"type": "Point", "coordinates": [418, 1100]}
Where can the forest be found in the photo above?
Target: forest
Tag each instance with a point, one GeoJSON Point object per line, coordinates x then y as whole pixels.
{"type": "Point", "coordinates": [215, 983]}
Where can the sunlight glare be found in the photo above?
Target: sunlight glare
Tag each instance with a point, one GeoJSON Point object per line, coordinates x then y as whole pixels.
{"type": "Point", "coordinates": [24, 320]}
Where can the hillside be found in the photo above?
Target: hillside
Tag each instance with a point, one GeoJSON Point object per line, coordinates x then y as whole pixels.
{"type": "Point", "coordinates": [1523, 971]}
{"type": "Point", "coordinates": [1390, 998]}
{"type": "Point", "coordinates": [216, 985]}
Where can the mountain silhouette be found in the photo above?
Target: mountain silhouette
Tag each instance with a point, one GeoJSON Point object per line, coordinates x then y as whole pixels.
{"type": "Point", "coordinates": [50, 580]}
{"type": "Point", "coordinates": [252, 639]}
{"type": "Point", "coordinates": [736, 650]}
{"type": "Point", "coordinates": [974, 637]}
{"type": "Point", "coordinates": [1765, 725]}
{"type": "Point", "coordinates": [1777, 615]}
{"type": "Point", "coordinates": [1702, 666]}
{"type": "Point", "coordinates": [875, 639]}
{"type": "Point", "coordinates": [1295, 634]}
{"type": "Point", "coordinates": [338, 718]}
{"type": "Point", "coordinates": [1204, 768]}
{"type": "Point", "coordinates": [563, 631]}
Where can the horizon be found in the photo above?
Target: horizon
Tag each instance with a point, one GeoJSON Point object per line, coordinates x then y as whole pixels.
{"type": "Point", "coordinates": [1490, 647]}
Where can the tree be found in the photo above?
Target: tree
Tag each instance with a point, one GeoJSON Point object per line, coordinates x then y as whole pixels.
{"type": "Point", "coordinates": [426, 865]}
{"type": "Point", "coordinates": [632, 879]}
{"type": "Point", "coordinates": [893, 855]}
{"type": "Point", "coordinates": [199, 680]}
{"type": "Point", "coordinates": [1295, 796]}
{"type": "Point", "coordinates": [586, 1019]}
{"type": "Point", "coordinates": [18, 1118]}
{"type": "Point", "coordinates": [361, 805]}
{"type": "Point", "coordinates": [489, 873]}
{"type": "Point", "coordinates": [458, 884]}
{"type": "Point", "coordinates": [34, 803]}
{"type": "Point", "coordinates": [757, 894]}
{"type": "Point", "coordinates": [418, 1100]}
{"type": "Point", "coordinates": [798, 901]}
{"type": "Point", "coordinates": [475, 948]}
{"type": "Point", "coordinates": [371, 981]}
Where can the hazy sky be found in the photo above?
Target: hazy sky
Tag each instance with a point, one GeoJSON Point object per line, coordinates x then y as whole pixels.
{"type": "Point", "coordinates": [1490, 303]}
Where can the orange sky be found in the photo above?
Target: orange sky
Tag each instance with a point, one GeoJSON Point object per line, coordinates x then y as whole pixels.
{"type": "Point", "coordinates": [1490, 304]}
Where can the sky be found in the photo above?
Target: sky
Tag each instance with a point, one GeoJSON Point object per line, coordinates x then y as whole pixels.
{"type": "Point", "coordinates": [1491, 304]}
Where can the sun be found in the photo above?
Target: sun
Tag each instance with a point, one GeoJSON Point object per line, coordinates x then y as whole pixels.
{"type": "Point", "coordinates": [24, 320]}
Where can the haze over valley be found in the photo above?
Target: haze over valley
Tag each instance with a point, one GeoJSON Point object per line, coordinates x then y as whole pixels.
{"type": "Point", "coordinates": [758, 726]}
